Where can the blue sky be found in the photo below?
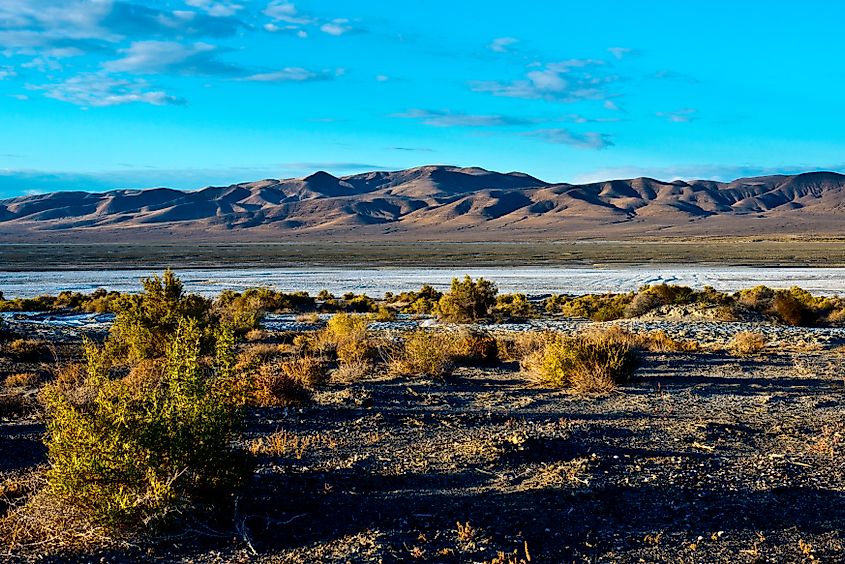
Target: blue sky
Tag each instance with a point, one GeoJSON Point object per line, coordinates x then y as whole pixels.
{"type": "Point", "coordinates": [104, 94]}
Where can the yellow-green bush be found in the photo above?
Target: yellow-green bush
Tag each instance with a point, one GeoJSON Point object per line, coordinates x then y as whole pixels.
{"type": "Point", "coordinates": [514, 307]}
{"type": "Point", "coordinates": [145, 322]}
{"type": "Point", "coordinates": [468, 301]}
{"type": "Point", "coordinates": [593, 362]}
{"type": "Point", "coordinates": [348, 336]}
{"type": "Point", "coordinates": [605, 307]}
{"type": "Point", "coordinates": [130, 455]}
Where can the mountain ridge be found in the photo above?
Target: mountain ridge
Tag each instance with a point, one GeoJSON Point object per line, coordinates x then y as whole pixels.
{"type": "Point", "coordinates": [436, 202]}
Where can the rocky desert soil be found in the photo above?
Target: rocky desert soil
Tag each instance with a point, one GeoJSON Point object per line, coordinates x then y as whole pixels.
{"type": "Point", "coordinates": [704, 457]}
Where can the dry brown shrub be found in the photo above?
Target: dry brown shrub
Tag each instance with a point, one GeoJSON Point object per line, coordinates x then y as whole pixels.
{"type": "Point", "coordinates": [348, 373]}
{"type": "Point", "coordinates": [255, 335]}
{"type": "Point", "coordinates": [145, 375]}
{"type": "Point", "coordinates": [48, 526]}
{"type": "Point", "coordinates": [422, 353]}
{"type": "Point", "coordinates": [474, 348]}
{"type": "Point", "coordinates": [518, 347]}
{"type": "Point", "coordinates": [308, 370]}
{"type": "Point", "coordinates": [21, 380]}
{"type": "Point", "coordinates": [747, 343]}
{"type": "Point", "coordinates": [274, 387]}
{"type": "Point", "coordinates": [831, 439]}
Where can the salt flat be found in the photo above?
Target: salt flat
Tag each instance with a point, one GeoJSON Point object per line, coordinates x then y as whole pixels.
{"type": "Point", "coordinates": [376, 281]}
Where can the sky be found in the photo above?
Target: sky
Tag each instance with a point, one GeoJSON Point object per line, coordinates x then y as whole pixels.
{"type": "Point", "coordinates": [102, 94]}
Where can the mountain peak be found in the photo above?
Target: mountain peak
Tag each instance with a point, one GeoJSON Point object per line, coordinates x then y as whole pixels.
{"type": "Point", "coordinates": [439, 202]}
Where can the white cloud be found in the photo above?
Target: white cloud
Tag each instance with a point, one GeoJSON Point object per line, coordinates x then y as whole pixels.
{"type": "Point", "coordinates": [100, 90]}
{"type": "Point", "coordinates": [567, 81]}
{"type": "Point", "coordinates": [7, 72]}
{"type": "Point", "coordinates": [382, 78]}
{"type": "Point", "coordinates": [282, 11]}
{"type": "Point", "coordinates": [611, 105]}
{"type": "Point", "coordinates": [503, 44]}
{"type": "Point", "coordinates": [336, 27]}
{"type": "Point", "coordinates": [216, 9]}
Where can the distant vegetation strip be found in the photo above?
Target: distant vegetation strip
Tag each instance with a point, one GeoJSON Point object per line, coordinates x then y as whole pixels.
{"type": "Point", "coordinates": [244, 310]}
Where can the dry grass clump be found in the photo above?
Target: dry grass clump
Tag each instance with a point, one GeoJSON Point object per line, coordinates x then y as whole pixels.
{"type": "Point", "coordinates": [28, 349]}
{"type": "Point", "coordinates": [521, 345]}
{"type": "Point", "coordinates": [660, 341]}
{"type": "Point", "coordinates": [309, 318]}
{"type": "Point", "coordinates": [590, 362]}
{"type": "Point", "coordinates": [422, 353]}
{"type": "Point", "coordinates": [256, 335]}
{"type": "Point", "coordinates": [747, 343]}
{"type": "Point", "coordinates": [21, 380]}
{"type": "Point", "coordinates": [283, 443]}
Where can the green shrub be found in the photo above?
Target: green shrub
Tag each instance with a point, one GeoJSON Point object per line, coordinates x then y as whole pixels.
{"type": "Point", "coordinates": [606, 307]}
{"type": "Point", "coordinates": [145, 322]}
{"type": "Point", "coordinates": [595, 362]}
{"type": "Point", "coordinates": [515, 307]}
{"type": "Point", "coordinates": [131, 456]}
{"type": "Point", "coordinates": [467, 301]}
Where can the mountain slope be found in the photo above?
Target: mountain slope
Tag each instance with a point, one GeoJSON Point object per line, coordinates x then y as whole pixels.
{"type": "Point", "coordinates": [435, 203]}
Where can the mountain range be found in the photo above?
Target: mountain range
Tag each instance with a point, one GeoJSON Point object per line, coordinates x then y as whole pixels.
{"type": "Point", "coordinates": [434, 203]}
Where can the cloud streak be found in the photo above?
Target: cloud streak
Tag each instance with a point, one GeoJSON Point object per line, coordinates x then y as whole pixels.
{"type": "Point", "coordinates": [558, 136]}
{"type": "Point", "coordinates": [439, 118]}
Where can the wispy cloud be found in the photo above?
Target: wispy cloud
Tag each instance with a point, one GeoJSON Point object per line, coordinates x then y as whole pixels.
{"type": "Point", "coordinates": [503, 44]}
{"type": "Point", "coordinates": [440, 118]}
{"type": "Point", "coordinates": [590, 140]}
{"type": "Point", "coordinates": [294, 74]}
{"type": "Point", "coordinates": [620, 53]}
{"type": "Point", "coordinates": [679, 116]}
{"type": "Point", "coordinates": [674, 75]}
{"type": "Point", "coordinates": [567, 81]}
{"type": "Point", "coordinates": [691, 171]}
{"type": "Point", "coordinates": [159, 57]}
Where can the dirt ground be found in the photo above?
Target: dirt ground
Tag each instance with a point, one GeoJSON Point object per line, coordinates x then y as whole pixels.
{"type": "Point", "coordinates": [705, 457]}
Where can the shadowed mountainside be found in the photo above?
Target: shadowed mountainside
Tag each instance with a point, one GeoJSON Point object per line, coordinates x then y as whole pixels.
{"type": "Point", "coordinates": [435, 203]}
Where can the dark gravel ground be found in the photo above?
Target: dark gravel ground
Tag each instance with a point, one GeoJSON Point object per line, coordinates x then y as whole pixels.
{"type": "Point", "coordinates": [705, 457]}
